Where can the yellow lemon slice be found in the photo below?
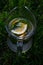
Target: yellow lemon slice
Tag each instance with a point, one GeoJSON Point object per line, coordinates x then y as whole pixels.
{"type": "Point", "coordinates": [22, 27]}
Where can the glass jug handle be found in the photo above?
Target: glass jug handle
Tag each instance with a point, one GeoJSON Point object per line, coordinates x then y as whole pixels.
{"type": "Point", "coordinates": [19, 47]}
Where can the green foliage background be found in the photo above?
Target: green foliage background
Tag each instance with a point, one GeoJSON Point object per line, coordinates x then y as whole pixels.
{"type": "Point", "coordinates": [35, 55]}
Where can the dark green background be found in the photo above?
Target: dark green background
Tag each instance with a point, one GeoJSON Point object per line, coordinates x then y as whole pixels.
{"type": "Point", "coordinates": [35, 55]}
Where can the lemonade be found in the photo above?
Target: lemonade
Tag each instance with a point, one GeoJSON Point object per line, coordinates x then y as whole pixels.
{"type": "Point", "coordinates": [20, 27]}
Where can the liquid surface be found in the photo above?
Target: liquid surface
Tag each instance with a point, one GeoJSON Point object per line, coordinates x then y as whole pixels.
{"type": "Point", "coordinates": [20, 27]}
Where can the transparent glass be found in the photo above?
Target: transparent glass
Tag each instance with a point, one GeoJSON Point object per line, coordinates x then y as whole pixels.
{"type": "Point", "coordinates": [24, 13]}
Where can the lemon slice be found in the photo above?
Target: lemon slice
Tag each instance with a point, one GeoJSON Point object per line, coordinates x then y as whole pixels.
{"type": "Point", "coordinates": [22, 27]}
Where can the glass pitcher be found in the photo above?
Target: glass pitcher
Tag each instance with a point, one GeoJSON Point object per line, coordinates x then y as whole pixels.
{"type": "Point", "coordinates": [20, 26]}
